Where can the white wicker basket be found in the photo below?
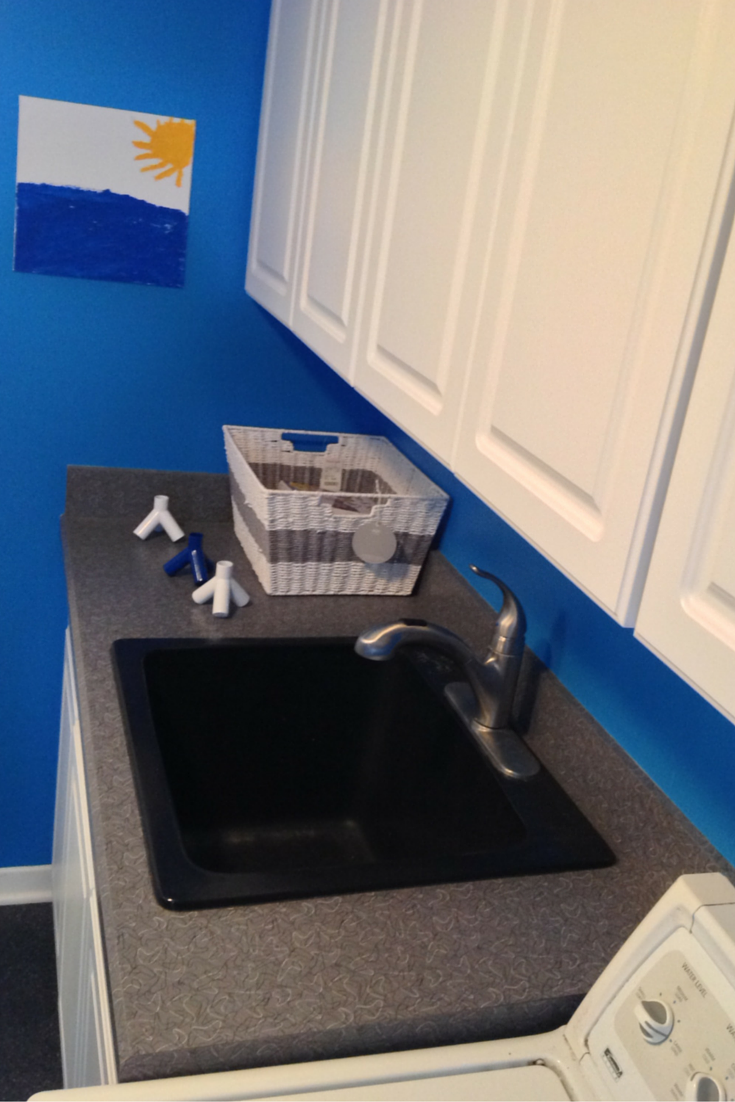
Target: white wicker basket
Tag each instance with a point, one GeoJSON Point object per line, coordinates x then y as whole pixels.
{"type": "Point", "coordinates": [296, 511]}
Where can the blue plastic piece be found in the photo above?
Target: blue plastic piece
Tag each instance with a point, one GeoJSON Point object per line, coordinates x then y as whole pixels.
{"type": "Point", "coordinates": [193, 556]}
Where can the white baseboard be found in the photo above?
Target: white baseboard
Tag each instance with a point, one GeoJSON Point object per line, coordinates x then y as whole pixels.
{"type": "Point", "coordinates": [25, 884]}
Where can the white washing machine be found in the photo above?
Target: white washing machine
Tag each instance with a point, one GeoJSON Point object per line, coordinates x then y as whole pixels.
{"type": "Point", "coordinates": [658, 1024]}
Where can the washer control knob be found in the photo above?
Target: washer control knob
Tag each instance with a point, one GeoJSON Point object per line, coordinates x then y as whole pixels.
{"type": "Point", "coordinates": [656, 1020]}
{"type": "Point", "coordinates": [705, 1088]}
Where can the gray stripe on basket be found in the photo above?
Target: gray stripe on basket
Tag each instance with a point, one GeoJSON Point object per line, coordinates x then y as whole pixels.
{"type": "Point", "coordinates": [313, 545]}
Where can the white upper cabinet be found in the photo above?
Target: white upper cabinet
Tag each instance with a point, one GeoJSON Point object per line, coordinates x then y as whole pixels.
{"type": "Point", "coordinates": [278, 197]}
{"type": "Point", "coordinates": [324, 89]}
{"type": "Point", "coordinates": [339, 172]}
{"type": "Point", "coordinates": [597, 260]}
{"type": "Point", "coordinates": [688, 610]}
{"type": "Point", "coordinates": [498, 219]}
{"type": "Point", "coordinates": [449, 80]}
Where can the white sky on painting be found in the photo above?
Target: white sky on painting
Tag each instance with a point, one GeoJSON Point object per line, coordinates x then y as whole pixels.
{"type": "Point", "coordinates": [75, 145]}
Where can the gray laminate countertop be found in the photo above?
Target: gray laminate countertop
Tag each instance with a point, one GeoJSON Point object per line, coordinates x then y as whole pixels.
{"type": "Point", "coordinates": [280, 982]}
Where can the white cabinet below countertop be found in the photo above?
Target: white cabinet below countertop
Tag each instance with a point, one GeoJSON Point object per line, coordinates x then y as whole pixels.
{"type": "Point", "coordinates": [87, 1047]}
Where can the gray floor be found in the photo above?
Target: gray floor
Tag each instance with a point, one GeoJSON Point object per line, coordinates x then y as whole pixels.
{"type": "Point", "coordinates": [30, 1056]}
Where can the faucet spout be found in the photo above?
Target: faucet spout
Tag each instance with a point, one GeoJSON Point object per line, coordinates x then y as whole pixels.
{"type": "Point", "coordinates": [509, 635]}
{"type": "Point", "coordinates": [381, 642]}
{"type": "Point", "coordinates": [491, 703]}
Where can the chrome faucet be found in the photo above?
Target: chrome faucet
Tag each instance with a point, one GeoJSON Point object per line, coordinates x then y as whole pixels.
{"type": "Point", "coordinates": [484, 701]}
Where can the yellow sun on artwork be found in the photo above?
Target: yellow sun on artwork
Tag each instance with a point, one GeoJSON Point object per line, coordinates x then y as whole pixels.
{"type": "Point", "coordinates": [170, 144]}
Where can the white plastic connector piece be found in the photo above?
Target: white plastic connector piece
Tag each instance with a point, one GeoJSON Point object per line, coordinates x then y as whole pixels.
{"type": "Point", "coordinates": [220, 589]}
{"type": "Point", "coordinates": [159, 517]}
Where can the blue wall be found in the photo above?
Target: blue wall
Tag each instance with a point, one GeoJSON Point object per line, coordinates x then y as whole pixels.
{"type": "Point", "coordinates": [121, 375]}
{"type": "Point", "coordinates": [118, 374]}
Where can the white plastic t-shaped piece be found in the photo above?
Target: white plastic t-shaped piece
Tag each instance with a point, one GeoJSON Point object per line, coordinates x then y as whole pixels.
{"type": "Point", "coordinates": [219, 589]}
{"type": "Point", "coordinates": [159, 517]}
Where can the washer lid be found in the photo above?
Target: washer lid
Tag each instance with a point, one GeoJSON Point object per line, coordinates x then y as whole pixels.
{"type": "Point", "coordinates": [523, 1084]}
{"type": "Point", "coordinates": [517, 1084]}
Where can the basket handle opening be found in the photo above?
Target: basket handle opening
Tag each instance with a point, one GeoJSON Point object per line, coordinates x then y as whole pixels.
{"type": "Point", "coordinates": [309, 441]}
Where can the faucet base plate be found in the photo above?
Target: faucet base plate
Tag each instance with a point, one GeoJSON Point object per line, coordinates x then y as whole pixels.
{"type": "Point", "coordinates": [505, 749]}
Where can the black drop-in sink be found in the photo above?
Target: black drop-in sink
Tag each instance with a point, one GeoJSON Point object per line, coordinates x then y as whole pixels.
{"type": "Point", "coordinates": [289, 768]}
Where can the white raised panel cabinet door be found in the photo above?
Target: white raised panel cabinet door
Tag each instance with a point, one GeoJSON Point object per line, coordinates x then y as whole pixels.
{"type": "Point", "coordinates": [278, 195]}
{"type": "Point", "coordinates": [339, 171]}
{"type": "Point", "coordinates": [687, 614]}
{"type": "Point", "coordinates": [446, 84]}
{"type": "Point", "coordinates": [594, 282]}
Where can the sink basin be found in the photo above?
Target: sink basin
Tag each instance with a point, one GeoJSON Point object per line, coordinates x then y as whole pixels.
{"type": "Point", "coordinates": [288, 768]}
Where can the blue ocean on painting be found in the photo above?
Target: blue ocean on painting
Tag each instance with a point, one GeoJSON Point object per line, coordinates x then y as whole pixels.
{"type": "Point", "coordinates": [69, 231]}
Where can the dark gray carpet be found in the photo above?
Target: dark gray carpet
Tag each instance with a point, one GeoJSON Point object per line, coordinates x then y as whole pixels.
{"type": "Point", "coordinates": [30, 1056]}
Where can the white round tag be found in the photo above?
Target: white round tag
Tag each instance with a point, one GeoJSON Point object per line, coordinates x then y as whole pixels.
{"type": "Point", "coordinates": [374, 542]}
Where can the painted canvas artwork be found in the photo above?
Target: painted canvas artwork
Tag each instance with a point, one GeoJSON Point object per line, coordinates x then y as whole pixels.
{"type": "Point", "coordinates": [102, 193]}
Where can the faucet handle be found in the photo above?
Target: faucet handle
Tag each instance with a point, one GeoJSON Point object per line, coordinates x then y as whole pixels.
{"type": "Point", "coordinates": [510, 626]}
